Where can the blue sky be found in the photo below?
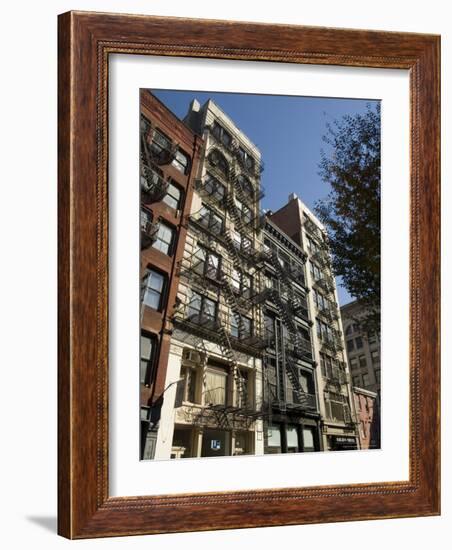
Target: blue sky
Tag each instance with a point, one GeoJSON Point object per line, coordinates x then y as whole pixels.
{"type": "Point", "coordinates": [288, 131]}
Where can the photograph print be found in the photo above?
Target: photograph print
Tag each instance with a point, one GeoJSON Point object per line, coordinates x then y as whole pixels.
{"type": "Point", "coordinates": [260, 288]}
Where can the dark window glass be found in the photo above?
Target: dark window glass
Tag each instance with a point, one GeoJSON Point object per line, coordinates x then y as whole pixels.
{"type": "Point", "coordinates": [211, 220]}
{"type": "Point", "coordinates": [214, 187]}
{"type": "Point", "coordinates": [218, 160]}
{"type": "Point", "coordinates": [160, 142]}
{"type": "Point", "coordinates": [147, 355]}
{"type": "Point", "coordinates": [245, 185]}
{"type": "Point", "coordinates": [246, 159]}
{"type": "Point", "coordinates": [221, 134]}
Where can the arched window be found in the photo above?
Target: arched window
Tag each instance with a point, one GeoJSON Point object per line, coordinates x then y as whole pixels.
{"type": "Point", "coordinates": [218, 160]}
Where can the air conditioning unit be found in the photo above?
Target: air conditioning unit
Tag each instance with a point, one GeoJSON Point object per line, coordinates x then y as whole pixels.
{"type": "Point", "coordinates": [191, 356]}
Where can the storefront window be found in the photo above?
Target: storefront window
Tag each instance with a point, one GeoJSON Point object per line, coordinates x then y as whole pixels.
{"type": "Point", "coordinates": [273, 439]}
{"type": "Point", "coordinates": [292, 439]}
{"type": "Point", "coordinates": [308, 439]}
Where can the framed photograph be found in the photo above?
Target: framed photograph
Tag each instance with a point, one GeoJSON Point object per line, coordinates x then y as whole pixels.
{"type": "Point", "coordinates": [248, 275]}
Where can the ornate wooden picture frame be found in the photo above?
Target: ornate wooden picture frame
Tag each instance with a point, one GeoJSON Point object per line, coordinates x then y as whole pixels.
{"type": "Point", "coordinates": [86, 40]}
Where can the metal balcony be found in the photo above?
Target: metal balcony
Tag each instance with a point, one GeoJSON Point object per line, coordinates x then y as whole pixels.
{"type": "Point", "coordinates": [326, 284]}
{"type": "Point", "coordinates": [321, 256]}
{"type": "Point", "coordinates": [332, 345]}
{"type": "Point", "coordinates": [162, 153]}
{"type": "Point", "coordinates": [328, 314]}
{"type": "Point", "coordinates": [312, 228]}
{"type": "Point", "coordinates": [153, 186]}
{"type": "Point", "coordinates": [299, 348]}
{"type": "Point", "coordinates": [213, 193]}
{"type": "Point", "coordinates": [149, 231]}
{"type": "Point", "coordinates": [304, 401]}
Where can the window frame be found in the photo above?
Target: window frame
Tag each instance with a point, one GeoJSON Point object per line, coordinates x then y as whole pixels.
{"type": "Point", "coordinates": [151, 360]}
{"type": "Point", "coordinates": [163, 291]}
{"type": "Point", "coordinates": [179, 201]}
{"type": "Point", "coordinates": [171, 244]}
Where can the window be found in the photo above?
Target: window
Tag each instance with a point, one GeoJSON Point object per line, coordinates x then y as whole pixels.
{"type": "Point", "coordinates": [246, 159]}
{"type": "Point", "coordinates": [375, 357]}
{"type": "Point", "coordinates": [273, 439]}
{"type": "Point", "coordinates": [160, 143]}
{"type": "Point", "coordinates": [268, 247]}
{"type": "Point", "coordinates": [378, 376]}
{"type": "Point", "coordinates": [356, 381]}
{"type": "Point", "coordinates": [336, 406]}
{"type": "Point", "coordinates": [372, 338]}
{"type": "Point", "coordinates": [190, 376]}
{"type": "Point", "coordinates": [359, 342]}
{"type": "Point", "coordinates": [145, 219]}
{"type": "Point", "coordinates": [241, 282]}
{"type": "Point", "coordinates": [316, 274]}
{"type": "Point", "coordinates": [173, 197]}
{"type": "Point", "coordinates": [214, 187]}
{"type": "Point", "coordinates": [181, 161]}
{"type": "Point", "coordinates": [284, 260]}
{"type": "Point", "coordinates": [202, 307]}
{"type": "Point", "coordinates": [292, 439]}
{"type": "Point", "coordinates": [209, 219]}
{"type": "Point", "coordinates": [216, 386]}
{"type": "Point", "coordinates": [144, 414]}
{"type": "Point", "coordinates": [362, 361]}
{"type": "Point", "coordinates": [348, 330]}
{"type": "Point", "coordinates": [245, 185]}
{"type": "Point", "coordinates": [244, 211]}
{"type": "Point", "coordinates": [350, 345]}
{"type": "Point", "coordinates": [308, 439]}
{"type": "Point", "coordinates": [366, 380]}
{"type": "Point", "coordinates": [221, 134]}
{"type": "Point", "coordinates": [269, 324]}
{"type": "Point", "coordinates": [147, 357]}
{"type": "Point", "coordinates": [206, 263]}
{"type": "Point", "coordinates": [243, 386]}
{"type": "Point", "coordinates": [165, 239]}
{"type": "Point", "coordinates": [240, 326]}
{"type": "Point", "coordinates": [235, 280]}
{"type": "Point", "coordinates": [217, 160]}
{"type": "Point", "coordinates": [354, 363]}
{"type": "Point", "coordinates": [154, 286]}
{"type": "Point", "coordinates": [242, 443]}
{"type": "Point", "coordinates": [145, 125]}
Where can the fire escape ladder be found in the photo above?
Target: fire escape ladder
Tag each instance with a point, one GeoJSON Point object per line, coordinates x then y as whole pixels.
{"type": "Point", "coordinates": [235, 214]}
{"type": "Point", "coordinates": [293, 375]}
{"type": "Point", "coordinates": [232, 249]}
{"type": "Point", "coordinates": [156, 187]}
{"type": "Point", "coordinates": [231, 300]}
{"type": "Point", "coordinates": [281, 397]}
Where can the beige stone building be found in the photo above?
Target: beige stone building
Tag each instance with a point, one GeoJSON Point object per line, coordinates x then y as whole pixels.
{"type": "Point", "coordinates": [214, 404]}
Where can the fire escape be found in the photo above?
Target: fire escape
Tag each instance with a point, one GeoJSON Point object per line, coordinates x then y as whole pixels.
{"type": "Point", "coordinates": [288, 305]}
{"type": "Point", "coordinates": [207, 281]}
{"type": "Point", "coordinates": [155, 151]}
{"type": "Point", "coordinates": [327, 311]}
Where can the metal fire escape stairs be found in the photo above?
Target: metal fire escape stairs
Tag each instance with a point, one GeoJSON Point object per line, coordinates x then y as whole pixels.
{"type": "Point", "coordinates": [294, 340]}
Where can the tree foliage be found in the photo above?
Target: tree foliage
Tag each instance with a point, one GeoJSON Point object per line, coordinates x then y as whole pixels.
{"type": "Point", "coordinates": [351, 211]}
